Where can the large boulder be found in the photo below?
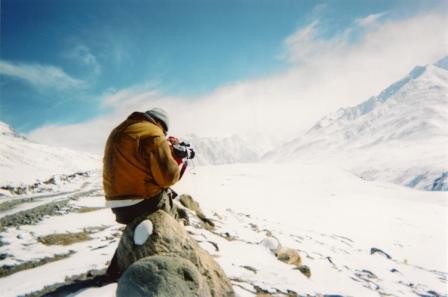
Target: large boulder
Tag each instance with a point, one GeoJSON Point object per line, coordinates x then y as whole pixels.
{"type": "Point", "coordinates": [169, 238]}
{"type": "Point", "coordinates": [162, 276]}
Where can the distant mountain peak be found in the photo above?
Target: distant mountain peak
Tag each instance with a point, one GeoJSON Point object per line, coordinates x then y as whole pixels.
{"type": "Point", "coordinates": [396, 86]}
{"type": "Point", "coordinates": [419, 73]}
{"type": "Point", "coordinates": [6, 130]}
{"type": "Point", "coordinates": [442, 63]}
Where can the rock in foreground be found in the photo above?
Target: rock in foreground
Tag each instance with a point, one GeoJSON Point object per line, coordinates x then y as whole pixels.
{"type": "Point", "coordinates": [162, 276]}
{"type": "Point", "coordinates": [169, 238]}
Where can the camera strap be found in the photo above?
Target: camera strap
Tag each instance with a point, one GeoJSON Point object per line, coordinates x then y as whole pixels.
{"type": "Point", "coordinates": [182, 170]}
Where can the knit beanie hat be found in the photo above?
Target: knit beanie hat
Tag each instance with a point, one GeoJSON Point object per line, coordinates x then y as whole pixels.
{"type": "Point", "coordinates": [159, 115]}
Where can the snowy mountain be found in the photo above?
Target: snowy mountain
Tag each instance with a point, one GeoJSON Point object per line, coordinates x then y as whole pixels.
{"type": "Point", "coordinates": [24, 161]}
{"type": "Point", "coordinates": [398, 136]}
{"type": "Point", "coordinates": [214, 151]}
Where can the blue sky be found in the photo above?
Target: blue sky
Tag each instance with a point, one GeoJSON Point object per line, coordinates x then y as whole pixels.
{"type": "Point", "coordinates": [60, 59]}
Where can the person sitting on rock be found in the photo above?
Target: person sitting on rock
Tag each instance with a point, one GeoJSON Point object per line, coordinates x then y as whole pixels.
{"type": "Point", "coordinates": [139, 166]}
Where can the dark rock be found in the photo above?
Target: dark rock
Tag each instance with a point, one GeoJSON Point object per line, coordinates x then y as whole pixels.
{"type": "Point", "coordinates": [169, 238]}
{"type": "Point", "coordinates": [250, 268]}
{"type": "Point", "coordinates": [208, 223]}
{"type": "Point", "coordinates": [6, 270]}
{"type": "Point", "coordinates": [188, 202]}
{"type": "Point", "coordinates": [376, 250]}
{"type": "Point", "coordinates": [305, 270]}
{"type": "Point", "coordinates": [330, 260]}
{"type": "Point", "coordinates": [440, 183]}
{"type": "Point", "coordinates": [162, 276]}
{"type": "Point", "coordinates": [51, 181]}
{"type": "Point", "coordinates": [366, 273]}
{"type": "Point", "coordinates": [34, 215]}
{"type": "Point", "coordinates": [182, 215]}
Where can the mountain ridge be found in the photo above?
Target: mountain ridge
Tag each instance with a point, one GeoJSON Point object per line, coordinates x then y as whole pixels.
{"type": "Point", "coordinates": [397, 136]}
{"type": "Point", "coordinates": [23, 161]}
{"type": "Point", "coordinates": [349, 113]}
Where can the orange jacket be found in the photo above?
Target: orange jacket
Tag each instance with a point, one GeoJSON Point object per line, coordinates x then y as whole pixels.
{"type": "Point", "coordinates": [138, 161]}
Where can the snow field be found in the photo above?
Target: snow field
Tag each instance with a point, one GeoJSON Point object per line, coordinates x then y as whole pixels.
{"type": "Point", "coordinates": [330, 216]}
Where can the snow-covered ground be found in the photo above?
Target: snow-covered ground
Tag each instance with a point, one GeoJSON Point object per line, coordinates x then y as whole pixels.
{"type": "Point", "coordinates": [332, 217]}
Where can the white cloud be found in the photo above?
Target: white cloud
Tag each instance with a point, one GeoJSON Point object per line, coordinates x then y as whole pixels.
{"type": "Point", "coordinates": [304, 44]}
{"type": "Point", "coordinates": [40, 76]}
{"type": "Point", "coordinates": [369, 20]}
{"type": "Point", "coordinates": [90, 136]}
{"type": "Point", "coordinates": [324, 75]}
{"type": "Point", "coordinates": [83, 54]}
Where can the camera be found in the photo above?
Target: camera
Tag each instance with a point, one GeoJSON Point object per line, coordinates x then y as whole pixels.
{"type": "Point", "coordinates": [183, 150]}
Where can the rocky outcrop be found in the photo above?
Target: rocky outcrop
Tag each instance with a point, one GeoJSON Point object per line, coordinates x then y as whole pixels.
{"type": "Point", "coordinates": [169, 238]}
{"type": "Point", "coordinates": [162, 276]}
{"type": "Point", "coordinates": [188, 202]}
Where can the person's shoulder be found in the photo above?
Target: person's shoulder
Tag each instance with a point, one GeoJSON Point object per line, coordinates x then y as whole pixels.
{"type": "Point", "coordinates": [145, 129]}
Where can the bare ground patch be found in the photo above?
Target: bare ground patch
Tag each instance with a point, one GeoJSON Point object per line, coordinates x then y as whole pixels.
{"type": "Point", "coordinates": [35, 215]}
{"type": "Point", "coordinates": [64, 238]}
{"type": "Point", "coordinates": [84, 209]}
{"type": "Point", "coordinates": [7, 205]}
{"type": "Point", "coordinates": [6, 270]}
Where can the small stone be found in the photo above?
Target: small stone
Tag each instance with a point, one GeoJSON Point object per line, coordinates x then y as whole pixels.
{"type": "Point", "coordinates": [378, 251]}
{"type": "Point", "coordinates": [288, 256]}
{"type": "Point", "coordinates": [305, 270]}
{"type": "Point", "coordinates": [270, 243]}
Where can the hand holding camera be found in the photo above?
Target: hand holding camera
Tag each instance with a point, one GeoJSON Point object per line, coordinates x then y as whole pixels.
{"type": "Point", "coordinates": [181, 149]}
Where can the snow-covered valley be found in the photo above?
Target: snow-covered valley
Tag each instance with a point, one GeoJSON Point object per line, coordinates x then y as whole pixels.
{"type": "Point", "coordinates": [358, 238]}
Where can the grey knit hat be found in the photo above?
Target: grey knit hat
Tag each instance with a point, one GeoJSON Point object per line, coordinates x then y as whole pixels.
{"type": "Point", "coordinates": [160, 115]}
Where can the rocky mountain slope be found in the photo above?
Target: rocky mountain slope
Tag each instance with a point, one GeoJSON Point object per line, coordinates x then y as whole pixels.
{"type": "Point", "coordinates": [398, 136]}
